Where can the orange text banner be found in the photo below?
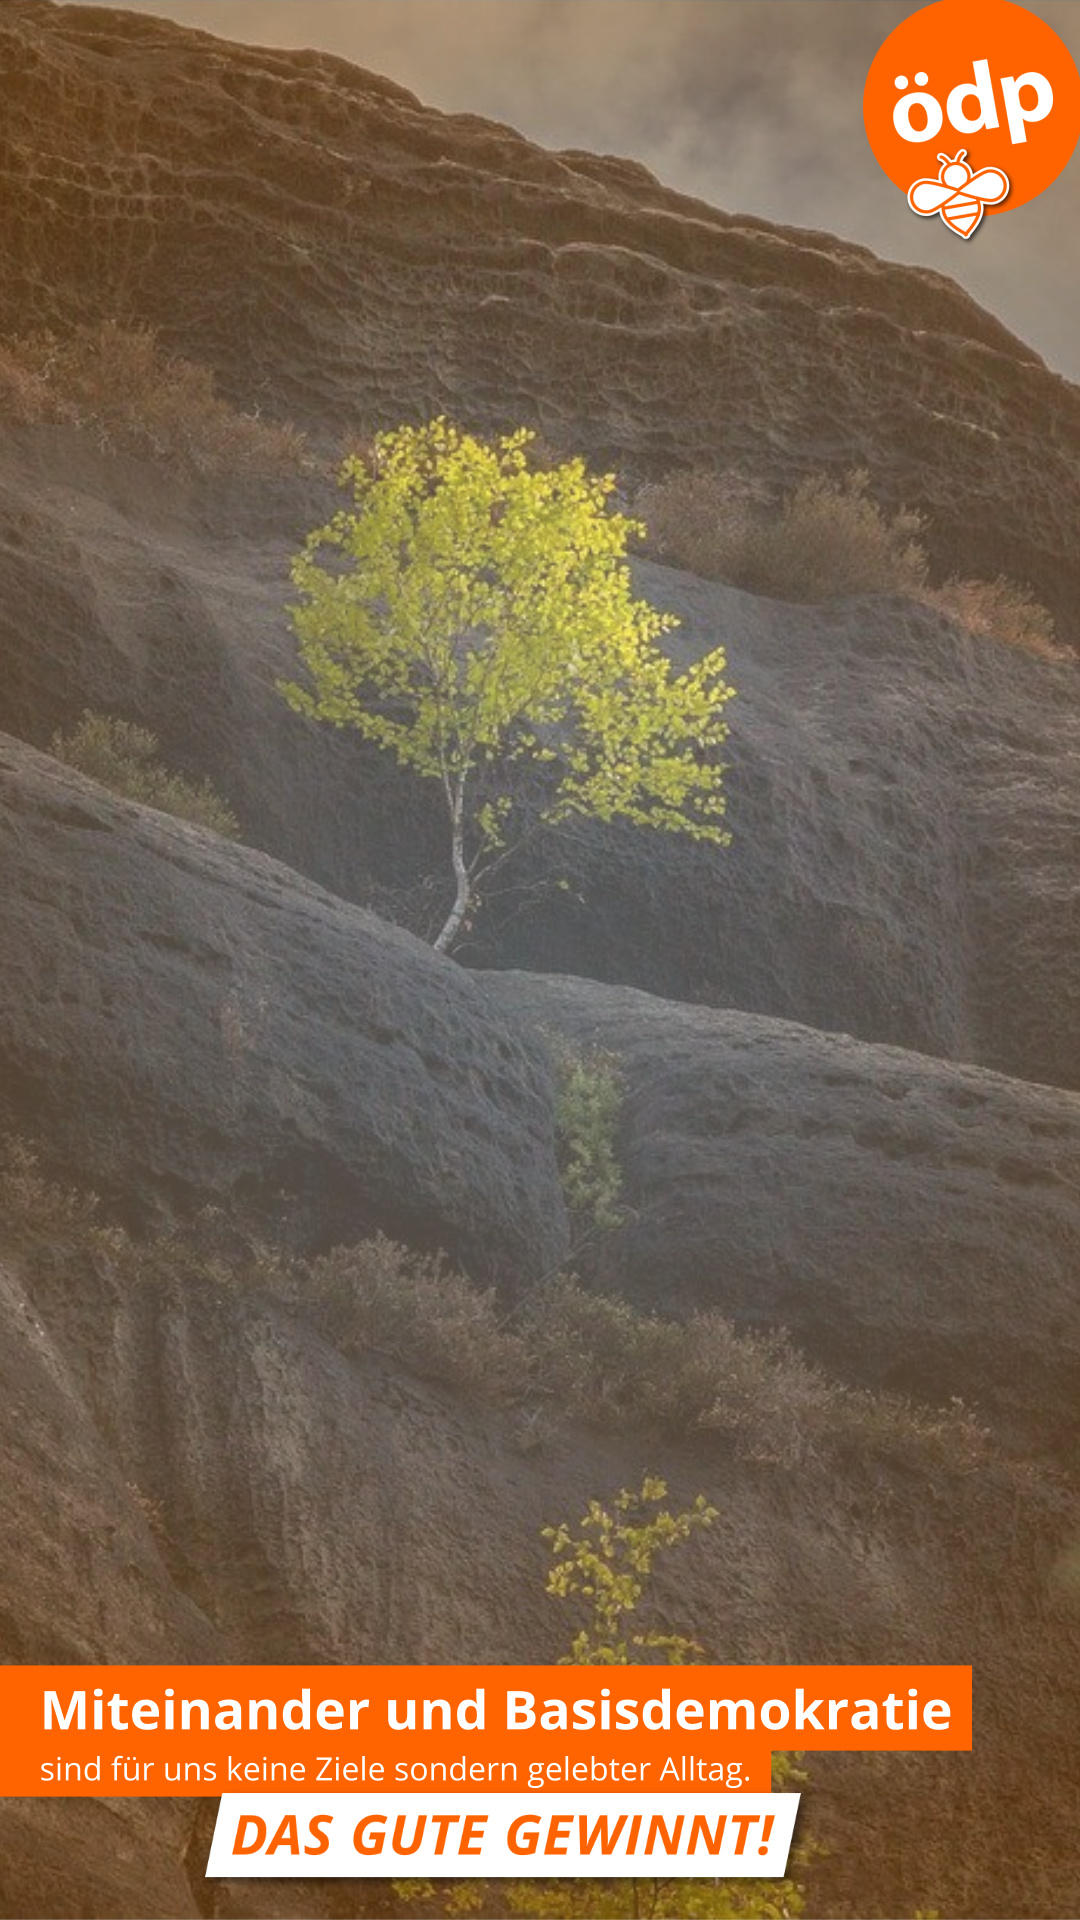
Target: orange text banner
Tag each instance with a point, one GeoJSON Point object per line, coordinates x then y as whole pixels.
{"type": "Point", "coordinates": [187, 1729]}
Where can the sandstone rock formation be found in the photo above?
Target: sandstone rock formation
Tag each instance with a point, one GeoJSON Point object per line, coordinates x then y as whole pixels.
{"type": "Point", "coordinates": [904, 804]}
{"type": "Point", "coordinates": [904, 801]}
{"type": "Point", "coordinates": [914, 1225]}
{"type": "Point", "coordinates": [186, 1022]}
{"type": "Point", "coordinates": [194, 1469]}
{"type": "Point", "coordinates": [340, 252]}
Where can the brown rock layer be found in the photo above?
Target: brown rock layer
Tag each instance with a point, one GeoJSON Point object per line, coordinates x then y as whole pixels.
{"type": "Point", "coordinates": [200, 1469]}
{"type": "Point", "coordinates": [338, 251]}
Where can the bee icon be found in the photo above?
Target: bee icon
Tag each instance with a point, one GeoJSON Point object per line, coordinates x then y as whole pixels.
{"type": "Point", "coordinates": [958, 194]}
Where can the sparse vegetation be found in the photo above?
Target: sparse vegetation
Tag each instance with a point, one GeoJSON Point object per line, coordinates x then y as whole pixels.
{"type": "Point", "coordinates": [123, 757]}
{"type": "Point", "coordinates": [34, 1208]}
{"type": "Point", "coordinates": [590, 1095]}
{"type": "Point", "coordinates": [120, 385]}
{"type": "Point", "coordinates": [702, 520]}
{"type": "Point", "coordinates": [599, 1357]}
{"type": "Point", "coordinates": [606, 1569]}
{"type": "Point", "coordinates": [828, 539]}
{"type": "Point", "coordinates": [378, 1298]}
{"type": "Point", "coordinates": [999, 610]}
{"type": "Point", "coordinates": [599, 1360]}
{"type": "Point", "coordinates": [585, 1356]}
{"type": "Point", "coordinates": [607, 1362]}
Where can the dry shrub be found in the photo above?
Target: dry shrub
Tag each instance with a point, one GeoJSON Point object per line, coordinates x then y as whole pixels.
{"type": "Point", "coordinates": [378, 1297]}
{"type": "Point", "coordinates": [604, 1362]}
{"type": "Point", "coordinates": [123, 757]}
{"type": "Point", "coordinates": [121, 385]}
{"type": "Point", "coordinates": [828, 539]}
{"type": "Point", "coordinates": [760, 1391]}
{"type": "Point", "coordinates": [832, 539]}
{"type": "Point", "coordinates": [201, 1252]}
{"type": "Point", "coordinates": [599, 1359]}
{"type": "Point", "coordinates": [587, 1356]}
{"type": "Point", "coordinates": [701, 521]}
{"type": "Point", "coordinates": [778, 1406]}
{"type": "Point", "coordinates": [999, 610]}
{"type": "Point", "coordinates": [36, 1211]}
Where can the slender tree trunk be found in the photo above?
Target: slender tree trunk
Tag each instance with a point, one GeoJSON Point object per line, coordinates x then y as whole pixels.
{"type": "Point", "coordinates": [463, 898]}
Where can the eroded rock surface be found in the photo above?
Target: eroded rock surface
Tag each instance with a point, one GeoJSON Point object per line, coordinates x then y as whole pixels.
{"type": "Point", "coordinates": [913, 1224]}
{"type": "Point", "coordinates": [256, 1496]}
{"type": "Point", "coordinates": [904, 806]}
{"type": "Point", "coordinates": [904, 801]}
{"type": "Point", "coordinates": [186, 1022]}
{"type": "Point", "coordinates": [194, 1471]}
{"type": "Point", "coordinates": [343, 253]}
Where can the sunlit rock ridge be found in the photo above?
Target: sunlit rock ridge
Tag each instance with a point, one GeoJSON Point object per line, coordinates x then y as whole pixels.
{"type": "Point", "coordinates": [341, 252]}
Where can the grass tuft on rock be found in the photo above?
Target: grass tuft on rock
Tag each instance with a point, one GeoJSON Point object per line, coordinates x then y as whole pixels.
{"type": "Point", "coordinates": [122, 756]}
{"type": "Point", "coordinates": [122, 387]}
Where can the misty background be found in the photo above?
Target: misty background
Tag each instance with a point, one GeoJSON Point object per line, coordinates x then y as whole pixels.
{"type": "Point", "coordinates": [753, 105]}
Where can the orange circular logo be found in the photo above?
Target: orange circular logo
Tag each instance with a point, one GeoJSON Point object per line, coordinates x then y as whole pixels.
{"type": "Point", "coordinates": [972, 110]}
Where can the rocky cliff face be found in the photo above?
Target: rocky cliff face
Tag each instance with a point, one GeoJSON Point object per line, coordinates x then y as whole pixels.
{"type": "Point", "coordinates": [343, 253]}
{"type": "Point", "coordinates": [914, 1225]}
{"type": "Point", "coordinates": [866, 1127]}
{"type": "Point", "coordinates": [192, 1473]}
{"type": "Point", "coordinates": [904, 800]}
{"type": "Point", "coordinates": [189, 1023]}
{"type": "Point", "coordinates": [198, 1469]}
{"type": "Point", "coordinates": [904, 805]}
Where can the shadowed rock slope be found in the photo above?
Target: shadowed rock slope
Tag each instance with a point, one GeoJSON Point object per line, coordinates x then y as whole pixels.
{"type": "Point", "coordinates": [904, 801]}
{"type": "Point", "coordinates": [193, 1473]}
{"type": "Point", "coordinates": [192, 1469]}
{"type": "Point", "coordinates": [914, 1225]}
{"type": "Point", "coordinates": [193, 1465]}
{"type": "Point", "coordinates": [340, 251]}
{"type": "Point", "coordinates": [904, 804]}
{"type": "Point", "coordinates": [188, 1023]}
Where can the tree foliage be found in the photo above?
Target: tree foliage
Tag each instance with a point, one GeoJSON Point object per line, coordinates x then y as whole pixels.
{"type": "Point", "coordinates": [470, 611]}
{"type": "Point", "coordinates": [608, 1565]}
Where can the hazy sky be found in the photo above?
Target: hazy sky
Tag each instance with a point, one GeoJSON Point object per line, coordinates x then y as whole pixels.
{"type": "Point", "coordinates": [755, 105]}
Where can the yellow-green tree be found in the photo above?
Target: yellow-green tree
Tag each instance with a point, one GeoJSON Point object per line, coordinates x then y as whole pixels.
{"type": "Point", "coordinates": [472, 610]}
{"type": "Point", "coordinates": [607, 1568]}
{"type": "Point", "coordinates": [605, 1571]}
